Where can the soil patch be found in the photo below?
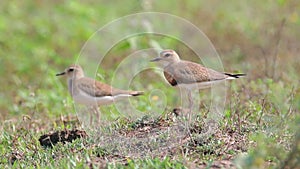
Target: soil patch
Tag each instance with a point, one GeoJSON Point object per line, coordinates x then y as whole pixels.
{"type": "Point", "coordinates": [49, 140]}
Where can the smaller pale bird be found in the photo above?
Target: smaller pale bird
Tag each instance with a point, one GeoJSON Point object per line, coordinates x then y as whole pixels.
{"type": "Point", "coordinates": [87, 91]}
{"type": "Point", "coordinates": [189, 75]}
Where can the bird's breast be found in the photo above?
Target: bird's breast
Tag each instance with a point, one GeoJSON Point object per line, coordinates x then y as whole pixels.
{"type": "Point", "coordinates": [72, 88]}
{"type": "Point", "coordinates": [170, 78]}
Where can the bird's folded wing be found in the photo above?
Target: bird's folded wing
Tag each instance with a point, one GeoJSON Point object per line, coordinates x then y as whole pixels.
{"type": "Point", "coordinates": [99, 89]}
{"type": "Point", "coordinates": [188, 72]}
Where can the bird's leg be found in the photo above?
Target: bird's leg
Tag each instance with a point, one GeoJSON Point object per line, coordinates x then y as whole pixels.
{"type": "Point", "coordinates": [95, 116]}
{"type": "Point", "coordinates": [97, 112]}
{"type": "Point", "coordinates": [91, 115]}
{"type": "Point", "coordinates": [188, 115]}
{"type": "Point", "coordinates": [191, 101]}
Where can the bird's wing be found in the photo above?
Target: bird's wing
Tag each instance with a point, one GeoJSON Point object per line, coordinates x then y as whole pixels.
{"type": "Point", "coordinates": [93, 87]}
{"type": "Point", "coordinates": [186, 72]}
{"type": "Point", "coordinates": [170, 78]}
{"type": "Point", "coordinates": [99, 89]}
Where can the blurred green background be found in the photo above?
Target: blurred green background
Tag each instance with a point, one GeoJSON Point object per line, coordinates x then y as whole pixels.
{"type": "Point", "coordinates": [40, 38]}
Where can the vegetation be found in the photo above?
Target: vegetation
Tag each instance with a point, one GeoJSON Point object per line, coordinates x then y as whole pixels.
{"type": "Point", "coordinates": [260, 126]}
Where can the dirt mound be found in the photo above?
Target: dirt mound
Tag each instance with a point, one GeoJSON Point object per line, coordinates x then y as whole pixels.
{"type": "Point", "coordinates": [49, 140]}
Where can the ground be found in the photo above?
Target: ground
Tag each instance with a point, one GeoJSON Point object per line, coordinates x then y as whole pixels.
{"type": "Point", "coordinates": [258, 127]}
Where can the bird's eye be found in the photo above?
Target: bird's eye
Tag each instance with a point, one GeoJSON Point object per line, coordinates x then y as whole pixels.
{"type": "Point", "coordinates": [167, 55]}
{"type": "Point", "coordinates": [71, 70]}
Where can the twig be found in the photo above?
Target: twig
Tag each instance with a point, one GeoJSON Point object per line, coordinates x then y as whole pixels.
{"type": "Point", "coordinates": [279, 35]}
{"type": "Point", "coordinates": [262, 109]}
{"type": "Point", "coordinates": [292, 95]}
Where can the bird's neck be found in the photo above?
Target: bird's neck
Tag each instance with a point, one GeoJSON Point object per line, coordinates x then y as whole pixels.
{"type": "Point", "coordinates": [77, 76]}
{"type": "Point", "coordinates": [172, 63]}
{"type": "Point", "coordinates": [72, 85]}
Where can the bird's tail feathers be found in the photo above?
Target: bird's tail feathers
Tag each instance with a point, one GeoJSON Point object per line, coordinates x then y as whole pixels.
{"type": "Point", "coordinates": [136, 93]}
{"type": "Point", "coordinates": [234, 76]}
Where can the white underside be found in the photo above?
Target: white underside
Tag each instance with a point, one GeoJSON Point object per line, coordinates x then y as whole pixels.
{"type": "Point", "coordinates": [84, 98]}
{"type": "Point", "coordinates": [201, 85]}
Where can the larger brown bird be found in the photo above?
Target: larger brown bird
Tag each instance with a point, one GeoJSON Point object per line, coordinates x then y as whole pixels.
{"type": "Point", "coordinates": [190, 75]}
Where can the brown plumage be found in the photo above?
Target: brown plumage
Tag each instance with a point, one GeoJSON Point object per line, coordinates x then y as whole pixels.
{"type": "Point", "coordinates": [179, 71]}
{"type": "Point", "coordinates": [190, 75]}
{"type": "Point", "coordinates": [88, 91]}
{"type": "Point", "coordinates": [99, 89]}
{"type": "Point", "coordinates": [185, 72]}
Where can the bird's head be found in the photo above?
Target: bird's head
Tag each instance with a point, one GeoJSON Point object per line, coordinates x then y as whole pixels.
{"type": "Point", "coordinates": [73, 71]}
{"type": "Point", "coordinates": [169, 56]}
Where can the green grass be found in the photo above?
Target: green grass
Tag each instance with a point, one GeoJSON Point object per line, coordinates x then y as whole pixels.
{"type": "Point", "coordinates": [260, 127]}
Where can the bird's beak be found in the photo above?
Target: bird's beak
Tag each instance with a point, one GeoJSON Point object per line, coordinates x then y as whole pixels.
{"type": "Point", "coordinates": [59, 74]}
{"type": "Point", "coordinates": [156, 59]}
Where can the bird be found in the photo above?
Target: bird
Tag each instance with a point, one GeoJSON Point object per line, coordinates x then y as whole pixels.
{"type": "Point", "coordinates": [190, 75]}
{"type": "Point", "coordinates": [90, 92]}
